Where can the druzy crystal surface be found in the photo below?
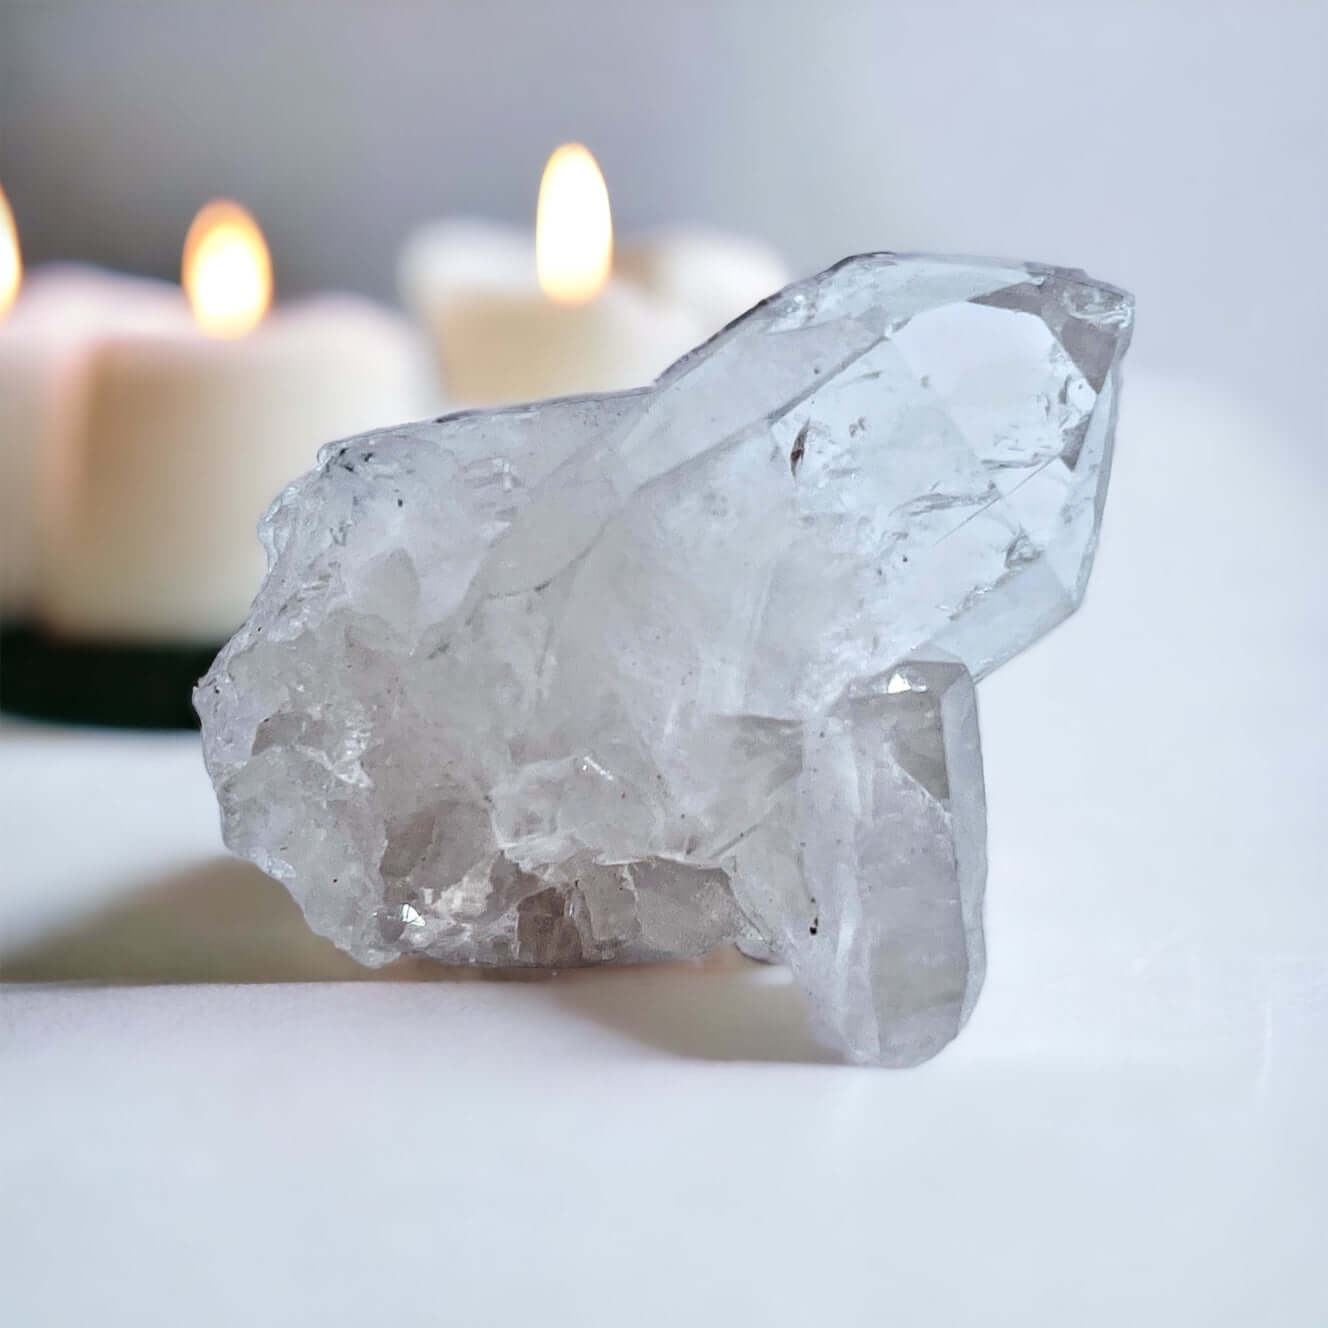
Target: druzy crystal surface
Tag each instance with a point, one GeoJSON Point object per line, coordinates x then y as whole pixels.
{"type": "Point", "coordinates": [640, 675]}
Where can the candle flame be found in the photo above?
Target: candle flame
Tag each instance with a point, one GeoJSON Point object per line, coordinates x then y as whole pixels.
{"type": "Point", "coordinates": [227, 273]}
{"type": "Point", "coordinates": [11, 261]}
{"type": "Point", "coordinates": [573, 227]}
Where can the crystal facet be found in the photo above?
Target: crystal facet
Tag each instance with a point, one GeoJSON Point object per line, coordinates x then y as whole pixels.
{"type": "Point", "coordinates": [635, 676]}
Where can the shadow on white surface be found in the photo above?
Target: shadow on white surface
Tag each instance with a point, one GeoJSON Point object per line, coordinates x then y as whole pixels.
{"type": "Point", "coordinates": [224, 921]}
{"type": "Point", "coordinates": [220, 920]}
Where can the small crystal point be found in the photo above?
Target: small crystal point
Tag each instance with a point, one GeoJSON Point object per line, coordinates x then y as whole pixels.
{"type": "Point", "coordinates": [636, 676]}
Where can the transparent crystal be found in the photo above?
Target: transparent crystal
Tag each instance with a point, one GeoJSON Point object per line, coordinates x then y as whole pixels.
{"type": "Point", "coordinates": [635, 676]}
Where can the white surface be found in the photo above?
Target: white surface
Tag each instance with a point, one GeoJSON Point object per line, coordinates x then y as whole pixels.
{"type": "Point", "coordinates": [1128, 1132]}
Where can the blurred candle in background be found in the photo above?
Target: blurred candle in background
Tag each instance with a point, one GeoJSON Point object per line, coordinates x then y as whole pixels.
{"type": "Point", "coordinates": [11, 260]}
{"type": "Point", "coordinates": [515, 318]}
{"type": "Point", "coordinates": [48, 319]}
{"type": "Point", "coordinates": [183, 436]}
{"type": "Point", "coordinates": [226, 271]}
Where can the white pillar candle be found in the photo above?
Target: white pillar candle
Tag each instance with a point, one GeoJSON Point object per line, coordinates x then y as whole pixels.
{"type": "Point", "coordinates": [514, 316]}
{"type": "Point", "coordinates": [181, 441]}
{"type": "Point", "coordinates": [497, 337]}
{"type": "Point", "coordinates": [60, 311]}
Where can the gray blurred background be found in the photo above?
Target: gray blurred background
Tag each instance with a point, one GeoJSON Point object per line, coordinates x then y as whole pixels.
{"type": "Point", "coordinates": [1178, 149]}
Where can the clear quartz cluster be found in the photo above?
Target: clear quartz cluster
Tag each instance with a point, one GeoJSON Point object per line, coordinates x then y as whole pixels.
{"type": "Point", "coordinates": [640, 675]}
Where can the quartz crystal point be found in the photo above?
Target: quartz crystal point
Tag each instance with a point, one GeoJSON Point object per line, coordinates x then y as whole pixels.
{"type": "Point", "coordinates": [639, 675]}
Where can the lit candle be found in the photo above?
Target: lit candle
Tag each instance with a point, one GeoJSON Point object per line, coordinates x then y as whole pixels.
{"type": "Point", "coordinates": [182, 438]}
{"type": "Point", "coordinates": [48, 318]}
{"type": "Point", "coordinates": [11, 261]}
{"type": "Point", "coordinates": [514, 319]}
